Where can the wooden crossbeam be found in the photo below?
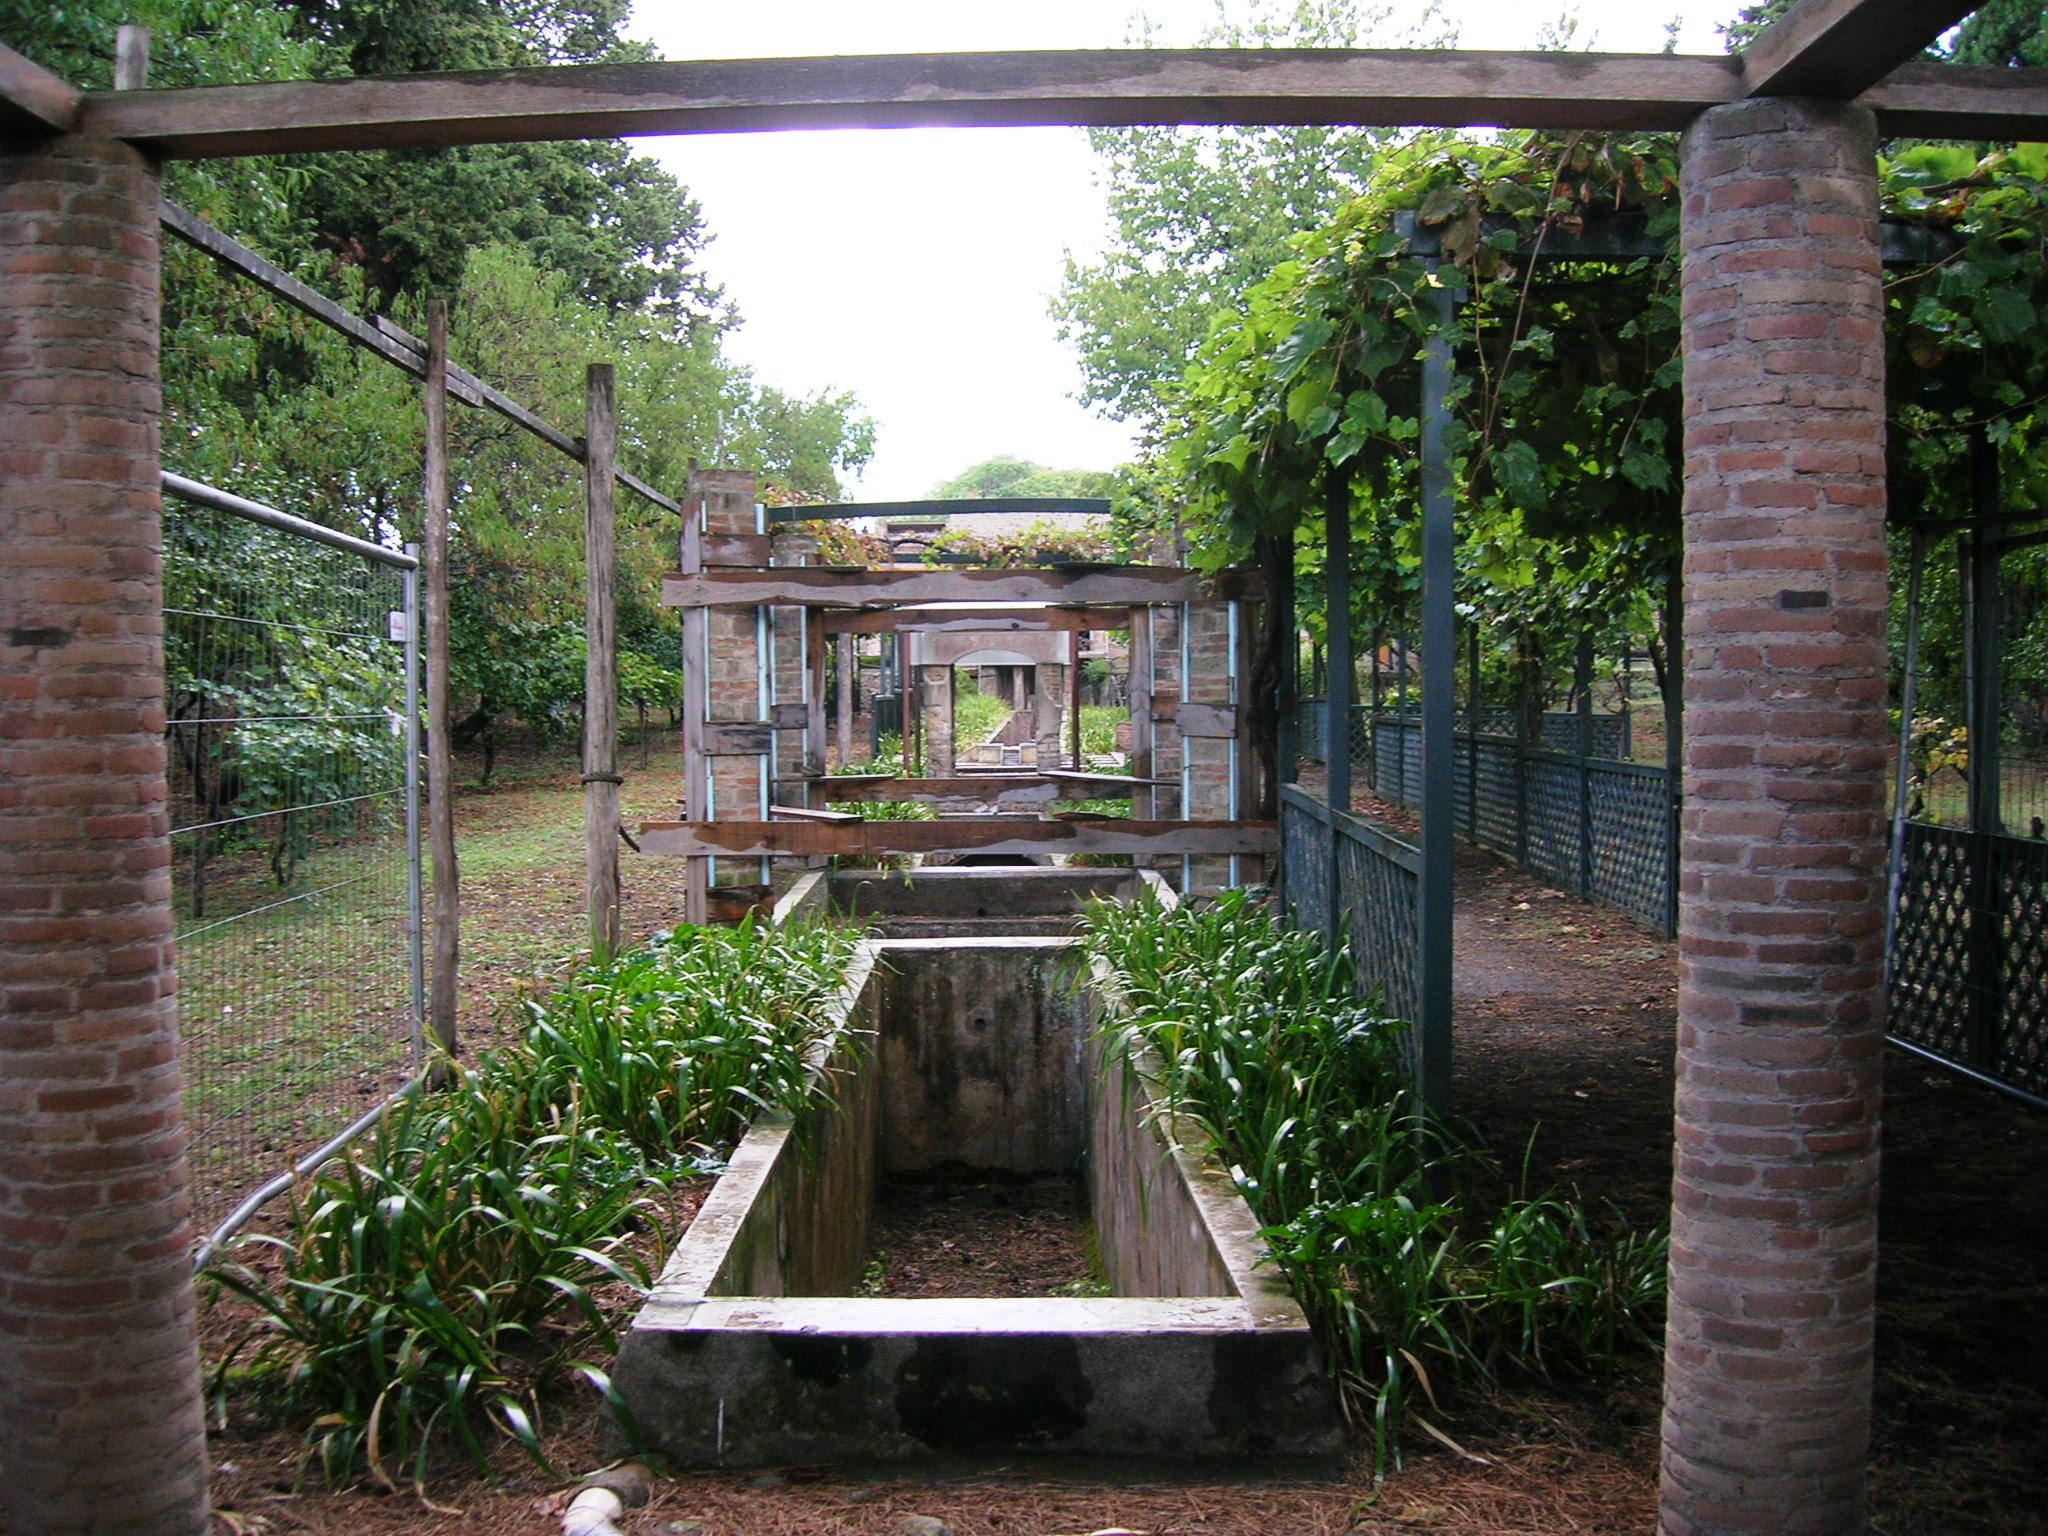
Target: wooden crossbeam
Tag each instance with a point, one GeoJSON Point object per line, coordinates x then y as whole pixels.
{"type": "Point", "coordinates": [957, 506]}
{"type": "Point", "coordinates": [32, 100]}
{"type": "Point", "coordinates": [1006, 620]}
{"type": "Point", "coordinates": [1119, 586]}
{"type": "Point", "coordinates": [2006, 106]}
{"type": "Point", "coordinates": [391, 342]}
{"type": "Point", "coordinates": [1838, 49]}
{"type": "Point", "coordinates": [1103, 88]}
{"type": "Point", "coordinates": [1012, 790]}
{"type": "Point", "coordinates": [965, 834]}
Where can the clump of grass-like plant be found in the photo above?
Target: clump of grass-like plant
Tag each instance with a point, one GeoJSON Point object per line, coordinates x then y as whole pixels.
{"type": "Point", "coordinates": [1253, 1034]}
{"type": "Point", "coordinates": [427, 1284]}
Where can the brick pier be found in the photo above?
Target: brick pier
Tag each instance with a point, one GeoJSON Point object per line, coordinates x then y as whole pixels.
{"type": "Point", "coordinates": [100, 1419]}
{"type": "Point", "coordinates": [1774, 1238]}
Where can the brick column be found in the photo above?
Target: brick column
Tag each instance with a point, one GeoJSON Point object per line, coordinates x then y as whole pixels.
{"type": "Point", "coordinates": [1774, 1242]}
{"type": "Point", "coordinates": [1209, 758]}
{"type": "Point", "coordinates": [1049, 722]}
{"type": "Point", "coordinates": [935, 698]}
{"type": "Point", "coordinates": [734, 674]}
{"type": "Point", "coordinates": [100, 1418]}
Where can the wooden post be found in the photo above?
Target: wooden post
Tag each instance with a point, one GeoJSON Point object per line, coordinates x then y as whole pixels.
{"type": "Point", "coordinates": [601, 661]}
{"type": "Point", "coordinates": [696, 707]}
{"type": "Point", "coordinates": [131, 58]}
{"type": "Point", "coordinates": [1139, 692]}
{"type": "Point", "coordinates": [845, 711]}
{"type": "Point", "coordinates": [440, 720]}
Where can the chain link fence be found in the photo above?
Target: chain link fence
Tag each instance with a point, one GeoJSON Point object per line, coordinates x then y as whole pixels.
{"type": "Point", "coordinates": [291, 696]}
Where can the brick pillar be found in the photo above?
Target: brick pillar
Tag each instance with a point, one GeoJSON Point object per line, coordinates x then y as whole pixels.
{"type": "Point", "coordinates": [935, 698]}
{"type": "Point", "coordinates": [1774, 1209]}
{"type": "Point", "coordinates": [1209, 758]}
{"type": "Point", "coordinates": [734, 675]}
{"type": "Point", "coordinates": [100, 1419]}
{"type": "Point", "coordinates": [1048, 726]}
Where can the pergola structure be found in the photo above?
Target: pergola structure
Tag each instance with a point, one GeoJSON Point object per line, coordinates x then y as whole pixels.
{"type": "Point", "coordinates": [1768, 1363]}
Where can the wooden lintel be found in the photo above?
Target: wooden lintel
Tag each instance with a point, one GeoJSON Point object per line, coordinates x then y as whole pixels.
{"type": "Point", "coordinates": [805, 813]}
{"type": "Point", "coordinates": [853, 586]}
{"type": "Point", "coordinates": [950, 506]}
{"type": "Point", "coordinates": [32, 100]}
{"type": "Point", "coordinates": [1101, 786]}
{"type": "Point", "coordinates": [1838, 49]}
{"type": "Point", "coordinates": [743, 549]}
{"type": "Point", "coordinates": [1106, 88]}
{"type": "Point", "coordinates": [1206, 721]}
{"type": "Point", "coordinates": [1009, 790]}
{"type": "Point", "coordinates": [962, 834]}
{"type": "Point", "coordinates": [1951, 101]}
{"type": "Point", "coordinates": [1007, 621]}
{"type": "Point", "coordinates": [789, 717]}
{"type": "Point", "coordinates": [738, 738]}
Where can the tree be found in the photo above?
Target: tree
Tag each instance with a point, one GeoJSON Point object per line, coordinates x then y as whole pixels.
{"type": "Point", "coordinates": [1197, 217]}
{"type": "Point", "coordinates": [1008, 475]}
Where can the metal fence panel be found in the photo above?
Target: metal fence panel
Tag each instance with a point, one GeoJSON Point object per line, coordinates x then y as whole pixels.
{"type": "Point", "coordinates": [290, 699]}
{"type": "Point", "coordinates": [1631, 866]}
{"type": "Point", "coordinates": [1553, 831]}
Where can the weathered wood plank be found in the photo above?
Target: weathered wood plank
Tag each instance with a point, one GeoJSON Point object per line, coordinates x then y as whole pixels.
{"type": "Point", "coordinates": [949, 506]}
{"type": "Point", "coordinates": [805, 813]}
{"type": "Point", "coordinates": [849, 586]}
{"type": "Point", "coordinates": [1949, 101]}
{"type": "Point", "coordinates": [600, 662]}
{"type": "Point", "coordinates": [1104, 88]}
{"type": "Point", "coordinates": [963, 834]}
{"type": "Point", "coordinates": [1838, 49]}
{"type": "Point", "coordinates": [792, 716]}
{"type": "Point", "coordinates": [1207, 722]}
{"type": "Point", "coordinates": [992, 620]}
{"type": "Point", "coordinates": [1100, 786]}
{"type": "Point", "coordinates": [738, 738]}
{"type": "Point", "coordinates": [742, 549]}
{"type": "Point", "coordinates": [33, 100]}
{"type": "Point", "coordinates": [1010, 791]}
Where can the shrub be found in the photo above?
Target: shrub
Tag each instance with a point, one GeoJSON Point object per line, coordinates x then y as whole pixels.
{"type": "Point", "coordinates": [434, 1278]}
{"type": "Point", "coordinates": [1261, 1043]}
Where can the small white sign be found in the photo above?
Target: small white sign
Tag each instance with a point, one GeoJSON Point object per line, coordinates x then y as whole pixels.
{"type": "Point", "coordinates": [398, 630]}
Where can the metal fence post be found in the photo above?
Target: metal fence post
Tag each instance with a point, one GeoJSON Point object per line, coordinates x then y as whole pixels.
{"type": "Point", "coordinates": [1337, 693]}
{"type": "Point", "coordinates": [415, 903]}
{"type": "Point", "coordinates": [1439, 640]}
{"type": "Point", "coordinates": [1583, 685]}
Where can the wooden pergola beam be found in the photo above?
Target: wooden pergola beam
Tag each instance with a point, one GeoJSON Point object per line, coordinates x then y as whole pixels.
{"type": "Point", "coordinates": [1950, 101]}
{"type": "Point", "coordinates": [32, 100]}
{"type": "Point", "coordinates": [1016, 619]}
{"type": "Point", "coordinates": [1098, 88]}
{"type": "Point", "coordinates": [962, 834]}
{"type": "Point", "coordinates": [1112, 586]}
{"type": "Point", "coordinates": [1838, 49]}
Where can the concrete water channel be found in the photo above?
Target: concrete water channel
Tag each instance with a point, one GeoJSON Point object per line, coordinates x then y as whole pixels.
{"type": "Point", "coordinates": [965, 1036]}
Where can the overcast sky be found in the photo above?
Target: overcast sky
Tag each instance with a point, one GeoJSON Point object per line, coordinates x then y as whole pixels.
{"type": "Point", "coordinates": [914, 266]}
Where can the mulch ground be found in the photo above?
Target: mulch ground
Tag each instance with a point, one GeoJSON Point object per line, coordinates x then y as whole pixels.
{"type": "Point", "coordinates": [1565, 1044]}
{"type": "Point", "coordinates": [957, 1231]}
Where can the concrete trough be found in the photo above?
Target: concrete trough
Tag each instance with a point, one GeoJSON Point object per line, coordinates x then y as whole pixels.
{"type": "Point", "coordinates": [975, 1048]}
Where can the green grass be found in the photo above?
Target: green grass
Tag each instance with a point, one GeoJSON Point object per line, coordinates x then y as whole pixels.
{"type": "Point", "coordinates": [1300, 1089]}
{"type": "Point", "coordinates": [976, 717]}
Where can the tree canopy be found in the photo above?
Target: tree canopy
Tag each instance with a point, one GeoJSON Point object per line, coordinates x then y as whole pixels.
{"type": "Point", "coordinates": [553, 256]}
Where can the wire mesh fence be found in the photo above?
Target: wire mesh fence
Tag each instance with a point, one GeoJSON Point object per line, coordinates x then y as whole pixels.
{"type": "Point", "coordinates": [291, 703]}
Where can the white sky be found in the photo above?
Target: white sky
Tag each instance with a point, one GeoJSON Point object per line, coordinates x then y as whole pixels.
{"type": "Point", "coordinates": [914, 266]}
